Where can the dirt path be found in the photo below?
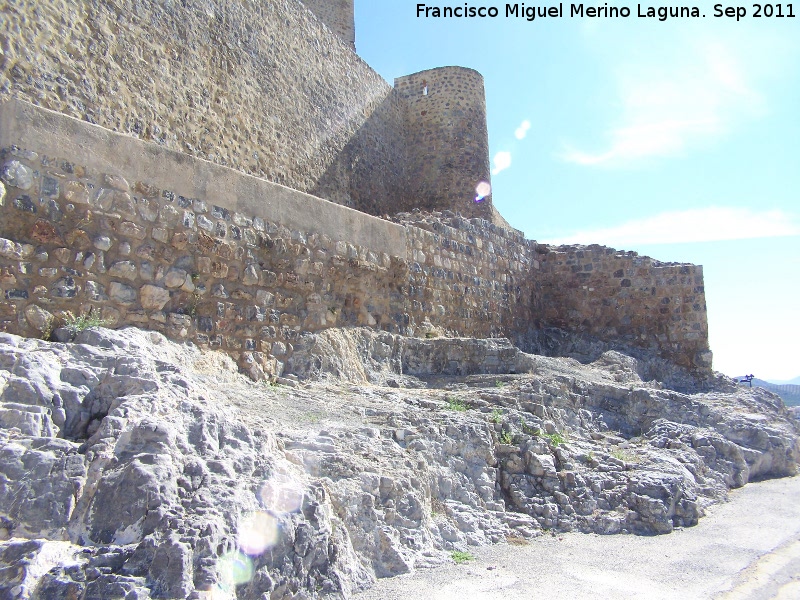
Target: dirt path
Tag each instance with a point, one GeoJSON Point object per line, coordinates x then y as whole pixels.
{"type": "Point", "coordinates": [748, 548]}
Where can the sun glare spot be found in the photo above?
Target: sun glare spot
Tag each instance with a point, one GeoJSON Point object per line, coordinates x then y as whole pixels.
{"type": "Point", "coordinates": [281, 494]}
{"type": "Point", "coordinates": [235, 569]}
{"type": "Point", "coordinates": [482, 190]}
{"type": "Point", "coordinates": [257, 533]}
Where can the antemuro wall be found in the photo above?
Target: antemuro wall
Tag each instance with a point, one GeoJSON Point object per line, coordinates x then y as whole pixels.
{"type": "Point", "coordinates": [142, 235]}
{"type": "Point", "coordinates": [139, 234]}
{"type": "Point", "coordinates": [606, 294]}
{"type": "Point", "coordinates": [262, 86]}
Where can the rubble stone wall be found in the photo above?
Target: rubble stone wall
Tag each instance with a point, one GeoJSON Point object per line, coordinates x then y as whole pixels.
{"type": "Point", "coordinates": [473, 277]}
{"type": "Point", "coordinates": [611, 295]}
{"type": "Point", "coordinates": [143, 235]}
{"type": "Point", "coordinates": [338, 15]}
{"type": "Point", "coordinates": [261, 86]}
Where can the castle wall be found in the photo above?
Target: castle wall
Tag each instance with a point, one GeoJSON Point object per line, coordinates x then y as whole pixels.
{"type": "Point", "coordinates": [259, 86]}
{"type": "Point", "coordinates": [472, 277]}
{"type": "Point", "coordinates": [623, 298]}
{"type": "Point", "coordinates": [91, 220]}
{"type": "Point", "coordinates": [338, 15]}
{"type": "Point", "coordinates": [143, 235]}
{"type": "Point", "coordinates": [449, 139]}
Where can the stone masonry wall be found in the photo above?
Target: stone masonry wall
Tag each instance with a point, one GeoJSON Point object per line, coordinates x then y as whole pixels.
{"type": "Point", "coordinates": [338, 15]}
{"type": "Point", "coordinates": [448, 133]}
{"type": "Point", "coordinates": [271, 88]}
{"type": "Point", "coordinates": [620, 296]}
{"type": "Point", "coordinates": [258, 85]}
{"type": "Point", "coordinates": [92, 221]}
{"type": "Point", "coordinates": [142, 235]}
{"type": "Point", "coordinates": [469, 274]}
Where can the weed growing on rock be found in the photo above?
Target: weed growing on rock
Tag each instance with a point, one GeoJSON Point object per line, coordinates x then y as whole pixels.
{"type": "Point", "coordinates": [625, 456]}
{"type": "Point", "coordinates": [556, 439]}
{"type": "Point", "coordinates": [47, 331]}
{"type": "Point", "coordinates": [497, 416]}
{"type": "Point", "coordinates": [82, 322]}
{"type": "Point", "coordinates": [456, 405]}
{"type": "Point", "coordinates": [505, 438]}
{"type": "Point", "coordinates": [461, 557]}
{"type": "Point", "coordinates": [191, 305]}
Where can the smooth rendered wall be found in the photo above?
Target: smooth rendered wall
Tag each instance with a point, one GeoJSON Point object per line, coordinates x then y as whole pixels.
{"type": "Point", "coordinates": [448, 139]}
{"type": "Point", "coordinates": [258, 85]}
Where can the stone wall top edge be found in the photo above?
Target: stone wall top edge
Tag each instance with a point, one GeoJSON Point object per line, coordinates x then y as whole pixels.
{"type": "Point", "coordinates": [571, 248]}
{"type": "Point", "coordinates": [54, 134]}
{"type": "Point", "coordinates": [470, 70]}
{"type": "Point", "coordinates": [424, 221]}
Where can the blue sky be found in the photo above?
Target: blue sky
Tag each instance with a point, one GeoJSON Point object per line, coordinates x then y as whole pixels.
{"type": "Point", "coordinates": [678, 139]}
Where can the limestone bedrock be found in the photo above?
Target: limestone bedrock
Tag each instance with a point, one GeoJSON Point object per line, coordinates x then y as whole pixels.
{"type": "Point", "coordinates": [133, 466]}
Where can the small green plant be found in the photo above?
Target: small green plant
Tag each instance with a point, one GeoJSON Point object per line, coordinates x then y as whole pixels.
{"type": "Point", "coordinates": [47, 330]}
{"type": "Point", "coordinates": [625, 456]}
{"type": "Point", "coordinates": [191, 306]}
{"type": "Point", "coordinates": [505, 438]}
{"type": "Point", "coordinates": [497, 416]}
{"type": "Point", "coordinates": [456, 404]}
{"type": "Point", "coordinates": [499, 383]}
{"type": "Point", "coordinates": [461, 557]}
{"type": "Point", "coordinates": [556, 439]}
{"type": "Point", "coordinates": [590, 456]}
{"type": "Point", "coordinates": [82, 322]}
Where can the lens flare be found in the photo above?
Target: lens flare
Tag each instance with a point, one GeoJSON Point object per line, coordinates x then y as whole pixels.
{"type": "Point", "coordinates": [483, 189]}
{"type": "Point", "coordinates": [281, 494]}
{"type": "Point", "coordinates": [257, 533]}
{"type": "Point", "coordinates": [235, 569]}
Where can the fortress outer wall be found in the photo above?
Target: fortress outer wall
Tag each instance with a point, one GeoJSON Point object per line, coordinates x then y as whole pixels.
{"type": "Point", "coordinates": [338, 15]}
{"type": "Point", "coordinates": [263, 87]}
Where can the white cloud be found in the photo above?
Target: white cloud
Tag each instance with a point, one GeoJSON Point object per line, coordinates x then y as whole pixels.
{"type": "Point", "coordinates": [522, 130]}
{"type": "Point", "coordinates": [502, 161]}
{"type": "Point", "coordinates": [695, 95]}
{"type": "Point", "coordinates": [710, 224]}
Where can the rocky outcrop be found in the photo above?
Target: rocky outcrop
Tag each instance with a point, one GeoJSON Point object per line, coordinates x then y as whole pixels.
{"type": "Point", "coordinates": [135, 467]}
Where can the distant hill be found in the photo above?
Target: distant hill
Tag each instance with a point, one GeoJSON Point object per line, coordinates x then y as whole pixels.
{"type": "Point", "coordinates": [795, 381]}
{"type": "Point", "coordinates": [790, 392]}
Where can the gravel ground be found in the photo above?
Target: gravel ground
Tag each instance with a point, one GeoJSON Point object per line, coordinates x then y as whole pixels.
{"type": "Point", "coordinates": [748, 548]}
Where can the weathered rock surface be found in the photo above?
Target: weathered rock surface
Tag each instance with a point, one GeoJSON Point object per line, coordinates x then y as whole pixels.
{"type": "Point", "coordinates": [134, 467]}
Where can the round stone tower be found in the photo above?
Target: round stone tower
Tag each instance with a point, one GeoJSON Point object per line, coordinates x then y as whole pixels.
{"type": "Point", "coordinates": [447, 140]}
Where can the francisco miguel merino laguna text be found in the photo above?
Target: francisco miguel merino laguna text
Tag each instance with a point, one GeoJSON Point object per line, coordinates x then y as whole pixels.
{"type": "Point", "coordinates": [531, 13]}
